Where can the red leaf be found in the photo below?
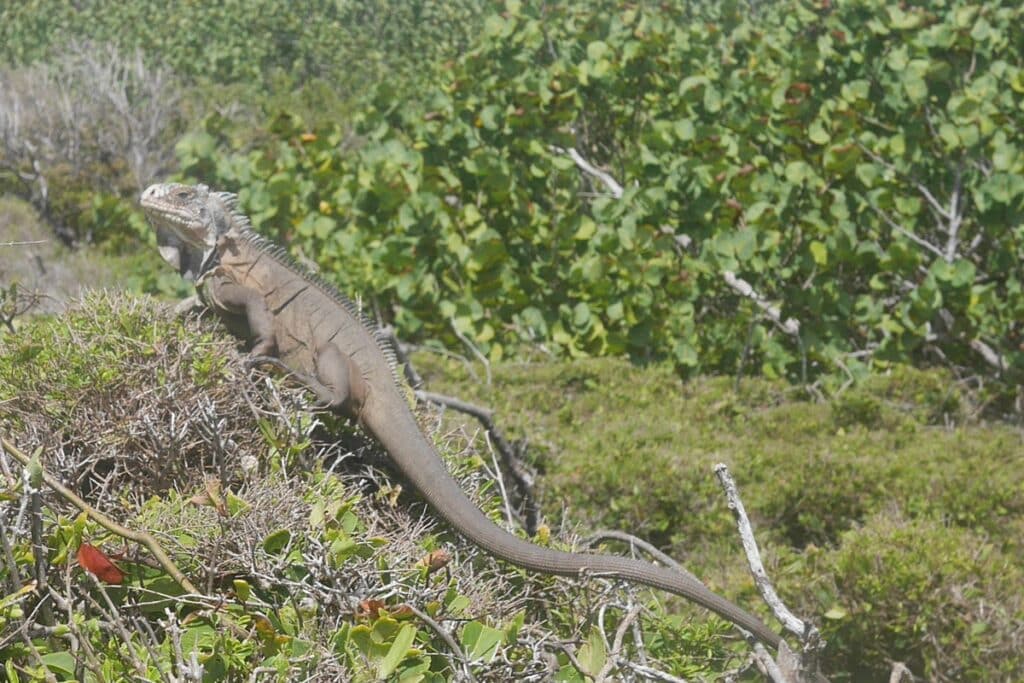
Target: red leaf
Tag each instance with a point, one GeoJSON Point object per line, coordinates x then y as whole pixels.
{"type": "Point", "coordinates": [94, 561]}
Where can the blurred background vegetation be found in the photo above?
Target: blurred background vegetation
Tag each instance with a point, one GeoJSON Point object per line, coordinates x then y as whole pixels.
{"type": "Point", "coordinates": [824, 196]}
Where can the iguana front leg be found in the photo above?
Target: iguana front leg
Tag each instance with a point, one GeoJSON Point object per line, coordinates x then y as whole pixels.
{"type": "Point", "coordinates": [225, 295]}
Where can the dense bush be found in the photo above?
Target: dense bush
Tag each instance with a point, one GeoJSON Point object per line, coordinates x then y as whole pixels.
{"type": "Point", "coordinates": [803, 190]}
{"type": "Point", "coordinates": [941, 600]}
{"type": "Point", "coordinates": [306, 562]}
{"type": "Point", "coordinates": [350, 44]}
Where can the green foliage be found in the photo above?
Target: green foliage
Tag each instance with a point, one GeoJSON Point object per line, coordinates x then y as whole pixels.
{"type": "Point", "coordinates": [854, 514]}
{"type": "Point", "coordinates": [345, 45]}
{"type": "Point", "coordinates": [858, 167]}
{"type": "Point", "coordinates": [924, 594]}
{"type": "Point", "coordinates": [302, 574]}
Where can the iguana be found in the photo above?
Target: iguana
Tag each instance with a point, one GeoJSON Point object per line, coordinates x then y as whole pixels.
{"type": "Point", "coordinates": [321, 336]}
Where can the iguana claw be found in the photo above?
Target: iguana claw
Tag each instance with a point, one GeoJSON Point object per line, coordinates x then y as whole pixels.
{"type": "Point", "coordinates": [253, 362]}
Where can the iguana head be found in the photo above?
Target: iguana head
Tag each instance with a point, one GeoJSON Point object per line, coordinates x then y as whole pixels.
{"type": "Point", "coordinates": [189, 220]}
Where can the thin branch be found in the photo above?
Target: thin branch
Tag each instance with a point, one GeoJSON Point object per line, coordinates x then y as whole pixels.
{"type": "Point", "coordinates": [447, 638]}
{"type": "Point", "coordinates": [620, 634]}
{"type": "Point", "coordinates": [769, 666]}
{"type": "Point", "coordinates": [613, 186]}
{"type": "Point", "coordinates": [899, 673]}
{"type": "Point", "coordinates": [652, 673]}
{"type": "Point", "coordinates": [523, 479]}
{"type": "Point", "coordinates": [906, 233]}
{"type": "Point", "coordinates": [475, 351]}
{"type": "Point", "coordinates": [635, 541]}
{"type": "Point", "coordinates": [956, 216]}
{"type": "Point", "coordinates": [991, 356]}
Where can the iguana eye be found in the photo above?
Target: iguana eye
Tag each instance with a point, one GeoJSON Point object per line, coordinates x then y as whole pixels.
{"type": "Point", "coordinates": [183, 194]}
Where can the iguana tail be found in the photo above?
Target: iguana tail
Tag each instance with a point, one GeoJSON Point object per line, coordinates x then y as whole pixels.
{"type": "Point", "coordinates": [419, 462]}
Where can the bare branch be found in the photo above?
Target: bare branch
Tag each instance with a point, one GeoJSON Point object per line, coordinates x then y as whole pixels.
{"type": "Point", "coordinates": [896, 227]}
{"type": "Point", "coordinates": [991, 356]}
{"type": "Point", "coordinates": [956, 216]}
{"type": "Point", "coordinates": [790, 326]}
{"type": "Point", "coordinates": [638, 542]}
{"type": "Point", "coordinates": [613, 186]}
{"type": "Point", "coordinates": [522, 477]}
{"type": "Point", "coordinates": [447, 638]}
{"type": "Point", "coordinates": [764, 585]}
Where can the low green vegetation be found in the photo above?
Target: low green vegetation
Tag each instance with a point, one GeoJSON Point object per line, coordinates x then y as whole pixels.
{"type": "Point", "coordinates": [891, 516]}
{"type": "Point", "coordinates": [306, 561]}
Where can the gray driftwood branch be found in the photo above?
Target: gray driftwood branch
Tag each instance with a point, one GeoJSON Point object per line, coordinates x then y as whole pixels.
{"type": "Point", "coordinates": [764, 585]}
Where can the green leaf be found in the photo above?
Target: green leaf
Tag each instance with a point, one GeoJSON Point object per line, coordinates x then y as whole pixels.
{"type": "Point", "coordinates": [592, 655]}
{"type": "Point", "coordinates": [835, 613]}
{"type": "Point", "coordinates": [867, 174]}
{"type": "Point", "coordinates": [480, 641]}
{"type": "Point", "coordinates": [817, 134]}
{"type": "Point", "coordinates": [397, 652]}
{"type": "Point", "coordinates": [819, 252]}
{"type": "Point", "coordinates": [1003, 187]}
{"type": "Point", "coordinates": [685, 130]}
{"type": "Point", "coordinates": [915, 88]}
{"type": "Point", "coordinates": [63, 663]}
{"type": "Point", "coordinates": [276, 541]}
{"type": "Point", "coordinates": [581, 315]}
{"type": "Point", "coordinates": [712, 99]}
{"type": "Point", "coordinates": [586, 230]}
{"type": "Point", "coordinates": [242, 589]}
{"type": "Point", "coordinates": [235, 505]}
{"type": "Point", "coordinates": [597, 50]}
{"type": "Point", "coordinates": [691, 82]}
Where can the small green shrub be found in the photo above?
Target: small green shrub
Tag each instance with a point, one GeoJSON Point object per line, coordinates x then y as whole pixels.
{"type": "Point", "coordinates": [940, 599]}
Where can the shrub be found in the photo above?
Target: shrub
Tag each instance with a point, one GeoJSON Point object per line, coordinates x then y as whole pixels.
{"type": "Point", "coordinates": [93, 123]}
{"type": "Point", "coordinates": [803, 194]}
{"type": "Point", "coordinates": [942, 600]}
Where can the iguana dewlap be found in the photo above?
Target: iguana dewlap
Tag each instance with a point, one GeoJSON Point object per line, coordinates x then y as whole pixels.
{"type": "Point", "coordinates": [316, 332]}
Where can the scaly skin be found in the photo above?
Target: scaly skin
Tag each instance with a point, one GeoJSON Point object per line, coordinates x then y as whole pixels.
{"type": "Point", "coordinates": [321, 337]}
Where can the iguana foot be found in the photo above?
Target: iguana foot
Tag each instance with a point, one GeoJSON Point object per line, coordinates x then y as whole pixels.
{"type": "Point", "coordinates": [253, 362]}
{"type": "Point", "coordinates": [187, 305]}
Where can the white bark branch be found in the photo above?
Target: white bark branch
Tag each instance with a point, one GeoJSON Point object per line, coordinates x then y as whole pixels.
{"type": "Point", "coordinates": [790, 326]}
{"type": "Point", "coordinates": [613, 186]}
{"type": "Point", "coordinates": [991, 356]}
{"type": "Point", "coordinates": [764, 585]}
{"type": "Point", "coordinates": [896, 227]}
